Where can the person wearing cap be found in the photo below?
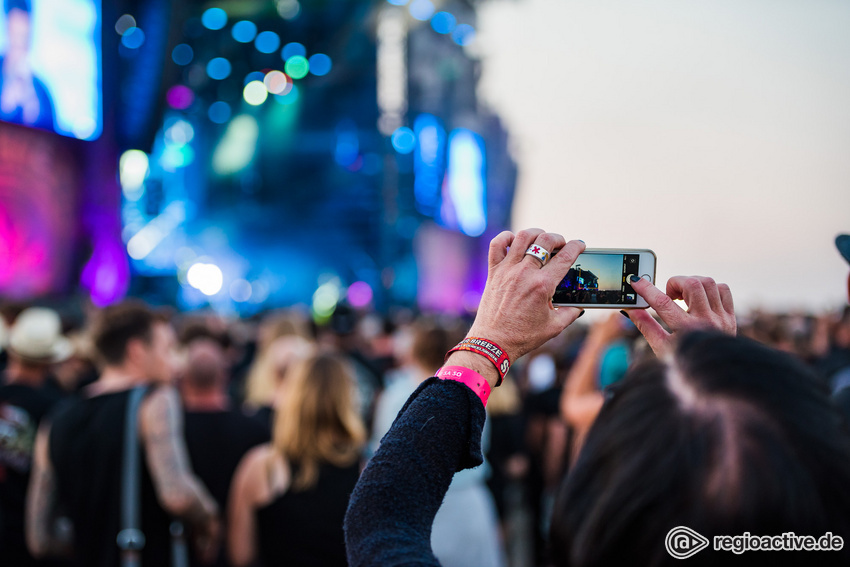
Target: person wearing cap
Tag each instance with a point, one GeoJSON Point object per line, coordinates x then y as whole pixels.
{"type": "Point", "coordinates": [35, 343]}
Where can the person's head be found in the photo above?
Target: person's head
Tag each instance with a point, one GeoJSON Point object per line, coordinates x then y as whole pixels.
{"type": "Point", "coordinates": [206, 366]}
{"type": "Point", "coordinates": [132, 338]}
{"type": "Point", "coordinates": [318, 419]}
{"type": "Point", "coordinates": [271, 366]}
{"type": "Point", "coordinates": [18, 26]}
{"type": "Point", "coordinates": [36, 342]}
{"type": "Point", "coordinates": [726, 437]}
{"type": "Point", "coordinates": [430, 345]}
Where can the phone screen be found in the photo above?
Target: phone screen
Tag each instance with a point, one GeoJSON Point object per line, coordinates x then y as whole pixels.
{"type": "Point", "coordinates": [599, 278]}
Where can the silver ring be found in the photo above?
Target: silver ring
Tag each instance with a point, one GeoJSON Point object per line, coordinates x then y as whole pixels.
{"type": "Point", "coordinates": [538, 252]}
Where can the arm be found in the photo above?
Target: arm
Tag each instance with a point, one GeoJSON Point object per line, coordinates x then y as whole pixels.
{"type": "Point", "coordinates": [251, 490]}
{"type": "Point", "coordinates": [581, 400]}
{"type": "Point", "coordinates": [41, 503]}
{"type": "Point", "coordinates": [177, 488]}
{"type": "Point", "coordinates": [438, 432]}
{"type": "Point", "coordinates": [392, 508]}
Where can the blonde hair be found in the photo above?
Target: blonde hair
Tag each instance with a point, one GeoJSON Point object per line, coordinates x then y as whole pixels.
{"type": "Point", "coordinates": [266, 372]}
{"type": "Point", "coordinates": [317, 419]}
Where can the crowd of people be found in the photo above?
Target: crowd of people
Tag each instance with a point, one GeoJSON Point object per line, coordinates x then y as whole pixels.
{"type": "Point", "coordinates": [132, 432]}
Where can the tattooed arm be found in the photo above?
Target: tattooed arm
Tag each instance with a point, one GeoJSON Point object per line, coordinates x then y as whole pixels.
{"type": "Point", "coordinates": [41, 535]}
{"type": "Point", "coordinates": [179, 491]}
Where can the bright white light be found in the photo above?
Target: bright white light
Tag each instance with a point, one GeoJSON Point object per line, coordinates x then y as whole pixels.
{"type": "Point", "coordinates": [149, 237]}
{"type": "Point", "coordinates": [277, 83]}
{"type": "Point", "coordinates": [84, 127]}
{"type": "Point", "coordinates": [255, 93]}
{"type": "Point", "coordinates": [133, 168]}
{"type": "Point", "coordinates": [207, 278]}
{"type": "Point", "coordinates": [179, 133]}
{"type": "Point", "coordinates": [124, 23]}
{"type": "Point", "coordinates": [392, 70]}
{"type": "Point", "coordinates": [238, 145]}
{"type": "Point", "coordinates": [240, 290]}
{"type": "Point", "coordinates": [288, 9]}
{"type": "Point", "coordinates": [325, 298]}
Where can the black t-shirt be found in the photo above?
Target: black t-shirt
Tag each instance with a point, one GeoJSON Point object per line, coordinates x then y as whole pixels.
{"type": "Point", "coordinates": [86, 449]}
{"type": "Point", "coordinates": [217, 441]}
{"type": "Point", "coordinates": [21, 410]}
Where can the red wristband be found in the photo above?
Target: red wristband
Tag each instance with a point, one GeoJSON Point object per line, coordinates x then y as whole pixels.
{"type": "Point", "coordinates": [469, 377]}
{"type": "Point", "coordinates": [488, 349]}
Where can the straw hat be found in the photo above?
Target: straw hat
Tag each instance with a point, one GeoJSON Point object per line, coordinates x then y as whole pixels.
{"type": "Point", "coordinates": [36, 336]}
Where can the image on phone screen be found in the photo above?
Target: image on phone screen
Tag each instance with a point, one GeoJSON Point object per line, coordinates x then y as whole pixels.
{"type": "Point", "coordinates": [599, 278]}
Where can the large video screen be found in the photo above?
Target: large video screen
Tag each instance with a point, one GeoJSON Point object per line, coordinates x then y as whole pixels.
{"type": "Point", "coordinates": [50, 66]}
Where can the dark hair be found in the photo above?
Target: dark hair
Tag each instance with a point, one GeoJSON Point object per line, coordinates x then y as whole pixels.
{"type": "Point", "coordinates": [23, 5]}
{"type": "Point", "coordinates": [430, 344]}
{"type": "Point", "coordinates": [117, 325]}
{"type": "Point", "coordinates": [193, 330]}
{"type": "Point", "coordinates": [729, 437]}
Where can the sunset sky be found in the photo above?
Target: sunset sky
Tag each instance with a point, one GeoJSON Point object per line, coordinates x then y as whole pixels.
{"type": "Point", "coordinates": [715, 132]}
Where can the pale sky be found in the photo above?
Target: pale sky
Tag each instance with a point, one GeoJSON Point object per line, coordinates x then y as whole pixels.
{"type": "Point", "coordinates": [715, 132]}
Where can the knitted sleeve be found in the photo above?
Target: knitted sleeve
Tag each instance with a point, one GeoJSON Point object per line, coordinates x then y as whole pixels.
{"type": "Point", "coordinates": [392, 508]}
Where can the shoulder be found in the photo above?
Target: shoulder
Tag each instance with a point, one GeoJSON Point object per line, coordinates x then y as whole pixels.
{"type": "Point", "coordinates": [161, 398]}
{"type": "Point", "coordinates": [253, 477]}
{"type": "Point", "coordinates": [160, 409]}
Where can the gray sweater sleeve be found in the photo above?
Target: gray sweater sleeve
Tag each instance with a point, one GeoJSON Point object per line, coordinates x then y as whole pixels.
{"type": "Point", "coordinates": [392, 508]}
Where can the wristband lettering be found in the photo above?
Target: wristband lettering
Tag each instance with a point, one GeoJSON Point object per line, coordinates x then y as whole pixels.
{"type": "Point", "coordinates": [488, 349]}
{"type": "Point", "coordinates": [474, 380]}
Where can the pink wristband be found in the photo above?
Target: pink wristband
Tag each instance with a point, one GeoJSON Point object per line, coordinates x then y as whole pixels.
{"type": "Point", "coordinates": [474, 380]}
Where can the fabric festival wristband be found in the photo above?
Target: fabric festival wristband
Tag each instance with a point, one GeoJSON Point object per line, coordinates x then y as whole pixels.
{"type": "Point", "coordinates": [469, 377]}
{"type": "Point", "coordinates": [488, 349]}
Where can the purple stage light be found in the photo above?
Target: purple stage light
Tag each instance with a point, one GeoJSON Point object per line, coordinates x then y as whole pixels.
{"type": "Point", "coordinates": [359, 294]}
{"type": "Point", "coordinates": [180, 97]}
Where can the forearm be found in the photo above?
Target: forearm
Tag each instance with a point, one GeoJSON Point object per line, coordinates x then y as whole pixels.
{"type": "Point", "coordinates": [190, 500]}
{"type": "Point", "coordinates": [392, 508]}
{"type": "Point", "coordinates": [580, 391]}
{"type": "Point", "coordinates": [178, 489]}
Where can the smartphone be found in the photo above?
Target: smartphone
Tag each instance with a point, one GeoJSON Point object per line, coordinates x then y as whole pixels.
{"type": "Point", "coordinates": [599, 278]}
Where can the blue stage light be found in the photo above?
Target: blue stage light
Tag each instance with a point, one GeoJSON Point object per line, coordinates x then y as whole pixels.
{"type": "Point", "coordinates": [443, 22]}
{"type": "Point", "coordinates": [254, 76]}
{"type": "Point", "coordinates": [421, 9]}
{"type": "Point", "coordinates": [320, 64]}
{"type": "Point", "coordinates": [428, 163]}
{"type": "Point", "coordinates": [466, 183]}
{"type": "Point", "coordinates": [403, 140]}
{"type": "Point", "coordinates": [292, 50]}
{"type": "Point", "coordinates": [218, 68]}
{"type": "Point", "coordinates": [133, 38]}
{"type": "Point", "coordinates": [219, 112]}
{"type": "Point", "coordinates": [267, 42]}
{"type": "Point", "coordinates": [182, 54]}
{"type": "Point", "coordinates": [464, 34]}
{"type": "Point", "coordinates": [244, 31]}
{"type": "Point", "coordinates": [214, 19]}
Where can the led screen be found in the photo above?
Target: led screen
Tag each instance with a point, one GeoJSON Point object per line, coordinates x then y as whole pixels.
{"type": "Point", "coordinates": [50, 66]}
